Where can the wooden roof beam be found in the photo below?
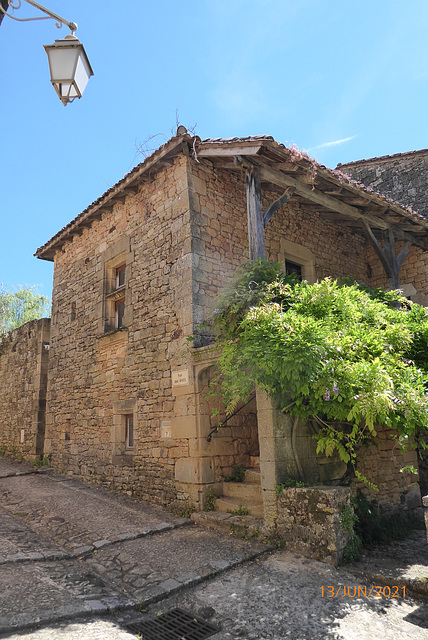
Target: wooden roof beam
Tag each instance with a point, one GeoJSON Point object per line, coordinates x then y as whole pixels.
{"type": "Point", "coordinates": [212, 150]}
{"type": "Point", "coordinates": [284, 181]}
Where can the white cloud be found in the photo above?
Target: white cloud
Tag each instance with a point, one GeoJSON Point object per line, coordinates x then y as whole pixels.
{"type": "Point", "coordinates": [333, 143]}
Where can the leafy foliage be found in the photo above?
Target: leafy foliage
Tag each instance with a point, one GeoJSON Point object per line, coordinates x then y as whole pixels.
{"type": "Point", "coordinates": [21, 306]}
{"type": "Point", "coordinates": [373, 528]}
{"type": "Point", "coordinates": [238, 474]}
{"type": "Point", "coordinates": [344, 355]}
{"type": "Point", "coordinates": [210, 501]}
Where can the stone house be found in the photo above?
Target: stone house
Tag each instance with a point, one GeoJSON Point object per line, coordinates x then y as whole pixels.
{"type": "Point", "coordinates": [137, 272]}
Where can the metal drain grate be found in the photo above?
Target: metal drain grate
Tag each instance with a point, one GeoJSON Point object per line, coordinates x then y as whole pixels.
{"type": "Point", "coordinates": [173, 625]}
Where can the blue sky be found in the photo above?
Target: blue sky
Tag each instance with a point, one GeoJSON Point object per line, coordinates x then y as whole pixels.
{"type": "Point", "coordinates": [340, 79]}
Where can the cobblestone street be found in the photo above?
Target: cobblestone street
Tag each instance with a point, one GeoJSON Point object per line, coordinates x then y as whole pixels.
{"type": "Point", "coordinates": [78, 562]}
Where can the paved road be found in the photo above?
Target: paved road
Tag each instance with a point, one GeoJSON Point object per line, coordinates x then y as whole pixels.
{"type": "Point", "coordinates": [82, 562]}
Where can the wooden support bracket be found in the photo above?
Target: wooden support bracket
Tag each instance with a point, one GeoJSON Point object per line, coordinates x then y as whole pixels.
{"type": "Point", "coordinates": [391, 262]}
{"type": "Point", "coordinates": [272, 208]}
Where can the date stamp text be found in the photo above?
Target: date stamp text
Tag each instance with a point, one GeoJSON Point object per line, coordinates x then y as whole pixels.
{"type": "Point", "coordinates": [375, 591]}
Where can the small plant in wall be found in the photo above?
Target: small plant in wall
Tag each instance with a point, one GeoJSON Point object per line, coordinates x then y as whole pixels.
{"type": "Point", "coordinates": [237, 475]}
{"type": "Point", "coordinates": [289, 482]}
{"type": "Point", "coordinates": [187, 509]}
{"type": "Point", "coordinates": [210, 500]}
{"type": "Point", "coordinates": [42, 461]}
{"type": "Point", "coordinates": [240, 511]}
{"type": "Point", "coordinates": [348, 520]}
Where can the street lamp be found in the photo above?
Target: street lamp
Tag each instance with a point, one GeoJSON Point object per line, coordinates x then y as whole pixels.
{"type": "Point", "coordinates": [69, 66]}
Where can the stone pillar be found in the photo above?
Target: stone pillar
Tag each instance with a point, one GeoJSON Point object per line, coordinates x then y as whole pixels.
{"type": "Point", "coordinates": [276, 456]}
{"type": "Point", "coordinates": [288, 450]}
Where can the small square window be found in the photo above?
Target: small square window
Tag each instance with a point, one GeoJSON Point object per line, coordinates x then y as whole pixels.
{"type": "Point", "coordinates": [129, 431]}
{"type": "Point", "coordinates": [119, 312]}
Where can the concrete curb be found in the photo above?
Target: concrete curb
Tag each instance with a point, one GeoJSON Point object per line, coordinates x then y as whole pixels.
{"type": "Point", "coordinates": [108, 605]}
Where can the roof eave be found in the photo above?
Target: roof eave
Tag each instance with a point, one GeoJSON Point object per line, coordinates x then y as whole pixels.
{"type": "Point", "coordinates": [119, 191]}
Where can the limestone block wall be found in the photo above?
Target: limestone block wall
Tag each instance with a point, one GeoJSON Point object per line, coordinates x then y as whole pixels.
{"type": "Point", "coordinates": [236, 441]}
{"type": "Point", "coordinates": [381, 465]}
{"type": "Point", "coordinates": [219, 246]}
{"type": "Point", "coordinates": [180, 237]}
{"type": "Point", "coordinates": [100, 378]}
{"type": "Point", "coordinates": [220, 240]}
{"type": "Point", "coordinates": [24, 355]}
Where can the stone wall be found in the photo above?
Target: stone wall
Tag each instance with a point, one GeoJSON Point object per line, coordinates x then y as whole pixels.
{"type": "Point", "coordinates": [220, 245]}
{"type": "Point", "coordinates": [403, 177]}
{"type": "Point", "coordinates": [236, 440]}
{"type": "Point", "coordinates": [24, 355]}
{"type": "Point", "coordinates": [309, 521]}
{"type": "Point", "coordinates": [220, 238]}
{"type": "Point", "coordinates": [99, 377]}
{"type": "Point", "coordinates": [381, 465]}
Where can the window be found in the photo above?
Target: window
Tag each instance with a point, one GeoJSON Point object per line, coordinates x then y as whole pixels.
{"type": "Point", "coordinates": [292, 268]}
{"type": "Point", "coordinates": [115, 294]}
{"type": "Point", "coordinates": [297, 259]}
{"type": "Point", "coordinates": [120, 276]}
{"type": "Point", "coordinates": [129, 431]}
{"type": "Point", "coordinates": [123, 429]}
{"type": "Point", "coordinates": [115, 304]}
{"type": "Point", "coordinates": [119, 312]}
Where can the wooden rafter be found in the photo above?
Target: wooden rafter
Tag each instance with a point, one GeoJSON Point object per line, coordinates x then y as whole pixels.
{"type": "Point", "coordinates": [314, 195]}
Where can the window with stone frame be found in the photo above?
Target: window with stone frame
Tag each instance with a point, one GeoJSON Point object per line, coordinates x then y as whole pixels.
{"type": "Point", "coordinates": [129, 431]}
{"type": "Point", "coordinates": [292, 268]}
{"type": "Point", "coordinates": [123, 430]}
{"type": "Point", "coordinates": [115, 293]}
{"type": "Point", "coordinates": [115, 308]}
{"type": "Point", "coordinates": [297, 259]}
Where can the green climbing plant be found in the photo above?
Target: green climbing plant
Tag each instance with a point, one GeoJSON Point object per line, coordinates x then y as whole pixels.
{"type": "Point", "coordinates": [344, 355]}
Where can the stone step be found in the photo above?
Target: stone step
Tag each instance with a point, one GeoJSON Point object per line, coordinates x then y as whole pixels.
{"type": "Point", "coordinates": [251, 492]}
{"type": "Point", "coordinates": [255, 462]}
{"type": "Point", "coordinates": [252, 476]}
{"type": "Point", "coordinates": [242, 526]}
{"type": "Point", "coordinates": [226, 504]}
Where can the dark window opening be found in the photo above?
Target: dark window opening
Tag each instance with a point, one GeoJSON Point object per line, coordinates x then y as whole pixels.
{"type": "Point", "coordinates": [129, 433]}
{"type": "Point", "coordinates": [119, 312]}
{"type": "Point", "coordinates": [292, 268]}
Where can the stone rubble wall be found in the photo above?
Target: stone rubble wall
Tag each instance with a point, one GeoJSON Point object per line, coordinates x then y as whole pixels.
{"type": "Point", "coordinates": [403, 177]}
{"type": "Point", "coordinates": [96, 378]}
{"type": "Point", "coordinates": [24, 355]}
{"type": "Point", "coordinates": [236, 441]}
{"type": "Point", "coordinates": [381, 464]}
{"type": "Point", "coordinates": [220, 239]}
{"type": "Point", "coordinates": [309, 521]}
{"type": "Point", "coordinates": [220, 246]}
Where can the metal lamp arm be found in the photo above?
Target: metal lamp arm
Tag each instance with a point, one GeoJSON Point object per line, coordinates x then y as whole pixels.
{"type": "Point", "coordinates": [51, 15]}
